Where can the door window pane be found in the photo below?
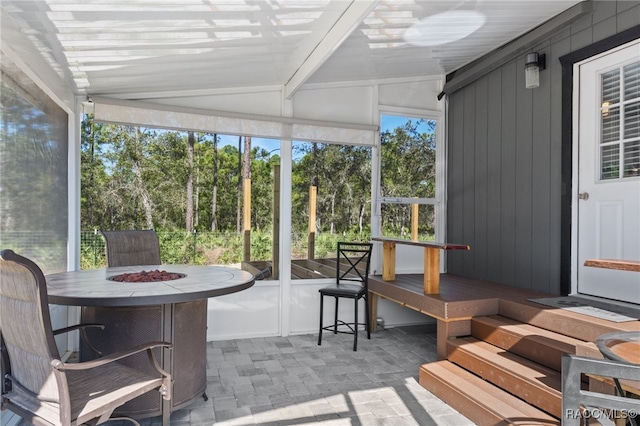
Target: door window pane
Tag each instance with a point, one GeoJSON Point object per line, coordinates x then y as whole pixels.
{"type": "Point", "coordinates": [610, 124]}
{"type": "Point", "coordinates": [632, 120]}
{"type": "Point", "coordinates": [632, 81]}
{"type": "Point", "coordinates": [620, 122]}
{"type": "Point", "coordinates": [632, 159]}
{"type": "Point", "coordinates": [611, 87]}
{"type": "Point", "coordinates": [610, 162]}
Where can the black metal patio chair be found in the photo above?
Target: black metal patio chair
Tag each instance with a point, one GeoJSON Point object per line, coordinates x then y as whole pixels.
{"type": "Point", "coordinates": [352, 282]}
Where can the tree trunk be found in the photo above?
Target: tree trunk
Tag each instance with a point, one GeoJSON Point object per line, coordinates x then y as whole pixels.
{"type": "Point", "coordinates": [246, 171]}
{"type": "Point", "coordinates": [147, 204]}
{"type": "Point", "coordinates": [333, 212]}
{"type": "Point", "coordinates": [189, 219]}
{"type": "Point", "coordinates": [214, 202]}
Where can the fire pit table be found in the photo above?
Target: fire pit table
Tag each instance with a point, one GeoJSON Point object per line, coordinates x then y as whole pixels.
{"type": "Point", "coordinates": [174, 310]}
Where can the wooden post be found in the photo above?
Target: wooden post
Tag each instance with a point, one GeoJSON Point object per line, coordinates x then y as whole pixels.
{"type": "Point", "coordinates": [373, 312]}
{"type": "Point", "coordinates": [311, 250]}
{"type": "Point", "coordinates": [388, 261]}
{"type": "Point", "coordinates": [414, 222]}
{"type": "Point", "coordinates": [431, 270]}
{"type": "Point", "coordinates": [247, 221]}
{"type": "Point", "coordinates": [275, 245]}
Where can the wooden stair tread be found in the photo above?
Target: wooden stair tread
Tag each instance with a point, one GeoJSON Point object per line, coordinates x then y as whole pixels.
{"type": "Point", "coordinates": [478, 400]}
{"type": "Point", "coordinates": [538, 385]}
{"type": "Point", "coordinates": [579, 326]}
{"type": "Point", "coordinates": [534, 343]}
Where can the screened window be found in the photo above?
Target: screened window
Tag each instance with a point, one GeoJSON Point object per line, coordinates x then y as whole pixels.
{"type": "Point", "coordinates": [620, 123]}
{"type": "Point", "coordinates": [408, 177]}
{"type": "Point", "coordinates": [198, 191]}
{"type": "Point", "coordinates": [331, 202]}
{"type": "Point", "coordinates": [33, 171]}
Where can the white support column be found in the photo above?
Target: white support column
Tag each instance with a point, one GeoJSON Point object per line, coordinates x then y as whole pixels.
{"type": "Point", "coordinates": [286, 167]}
{"type": "Point", "coordinates": [74, 177]}
{"type": "Point", "coordinates": [442, 128]}
{"type": "Point", "coordinates": [73, 219]}
{"type": "Point", "coordinates": [376, 256]}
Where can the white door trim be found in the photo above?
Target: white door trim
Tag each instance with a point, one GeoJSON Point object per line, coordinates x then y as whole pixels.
{"type": "Point", "coordinates": [575, 158]}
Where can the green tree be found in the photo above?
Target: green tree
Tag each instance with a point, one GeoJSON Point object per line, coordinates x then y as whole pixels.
{"type": "Point", "coordinates": [343, 177]}
{"type": "Point", "coordinates": [408, 170]}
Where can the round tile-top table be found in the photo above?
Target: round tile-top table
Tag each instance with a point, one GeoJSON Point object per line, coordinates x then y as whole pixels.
{"type": "Point", "coordinates": [620, 346]}
{"type": "Point", "coordinates": [174, 311]}
{"type": "Point", "coordinates": [94, 287]}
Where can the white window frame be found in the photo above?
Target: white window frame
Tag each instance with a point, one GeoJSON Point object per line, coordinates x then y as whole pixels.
{"type": "Point", "coordinates": [439, 202]}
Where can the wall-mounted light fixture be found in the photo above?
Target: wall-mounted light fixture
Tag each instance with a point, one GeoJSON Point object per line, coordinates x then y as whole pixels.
{"type": "Point", "coordinates": [533, 63]}
{"type": "Point", "coordinates": [87, 105]}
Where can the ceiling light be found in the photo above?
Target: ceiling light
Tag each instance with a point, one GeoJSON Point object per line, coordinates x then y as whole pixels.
{"type": "Point", "coordinates": [446, 27]}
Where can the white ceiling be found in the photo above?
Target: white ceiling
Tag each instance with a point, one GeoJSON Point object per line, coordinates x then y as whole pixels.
{"type": "Point", "coordinates": [161, 48]}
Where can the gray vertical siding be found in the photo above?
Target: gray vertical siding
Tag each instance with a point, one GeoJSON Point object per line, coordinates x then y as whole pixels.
{"type": "Point", "coordinates": [504, 178]}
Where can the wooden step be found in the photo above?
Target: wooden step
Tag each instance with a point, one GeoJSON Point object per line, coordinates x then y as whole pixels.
{"type": "Point", "coordinates": [536, 344]}
{"type": "Point", "coordinates": [536, 384]}
{"type": "Point", "coordinates": [478, 400]}
{"type": "Point", "coordinates": [578, 326]}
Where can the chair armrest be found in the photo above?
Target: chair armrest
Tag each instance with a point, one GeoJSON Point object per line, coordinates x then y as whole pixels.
{"type": "Point", "coordinates": [5, 368]}
{"type": "Point", "coordinates": [59, 365]}
{"type": "Point", "coordinates": [165, 390]}
{"type": "Point", "coordinates": [83, 334]}
{"type": "Point", "coordinates": [77, 327]}
{"type": "Point", "coordinates": [575, 399]}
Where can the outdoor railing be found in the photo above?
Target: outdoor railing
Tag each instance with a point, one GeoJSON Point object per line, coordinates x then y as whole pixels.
{"type": "Point", "coordinates": [212, 248]}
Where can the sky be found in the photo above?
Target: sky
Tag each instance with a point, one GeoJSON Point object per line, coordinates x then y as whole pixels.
{"type": "Point", "coordinates": [266, 144]}
{"type": "Point", "coordinates": [387, 122]}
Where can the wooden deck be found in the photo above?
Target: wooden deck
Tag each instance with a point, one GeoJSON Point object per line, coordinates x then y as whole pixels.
{"type": "Point", "coordinates": [461, 299]}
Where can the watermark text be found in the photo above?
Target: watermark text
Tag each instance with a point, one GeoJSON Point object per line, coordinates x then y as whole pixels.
{"type": "Point", "coordinates": [601, 413]}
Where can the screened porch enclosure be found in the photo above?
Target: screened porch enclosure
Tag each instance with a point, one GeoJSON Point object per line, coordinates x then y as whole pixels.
{"type": "Point", "coordinates": [325, 102]}
{"type": "Point", "coordinates": [325, 168]}
{"type": "Point", "coordinates": [502, 175]}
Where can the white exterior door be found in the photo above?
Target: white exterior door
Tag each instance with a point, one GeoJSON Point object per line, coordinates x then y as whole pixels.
{"type": "Point", "coordinates": [608, 184]}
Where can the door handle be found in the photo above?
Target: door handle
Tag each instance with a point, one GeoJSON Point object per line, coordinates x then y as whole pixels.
{"type": "Point", "coordinates": [583, 196]}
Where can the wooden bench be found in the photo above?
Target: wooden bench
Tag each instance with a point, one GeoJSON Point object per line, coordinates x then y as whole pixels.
{"type": "Point", "coordinates": [431, 260]}
{"type": "Point", "coordinates": [620, 265]}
